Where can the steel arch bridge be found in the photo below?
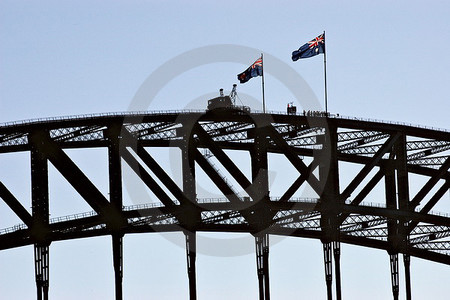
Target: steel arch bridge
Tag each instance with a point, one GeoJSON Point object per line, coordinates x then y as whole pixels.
{"type": "Point", "coordinates": [314, 143]}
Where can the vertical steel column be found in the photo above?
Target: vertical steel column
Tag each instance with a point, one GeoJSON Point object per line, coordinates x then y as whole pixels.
{"type": "Point", "coordinates": [330, 200]}
{"type": "Point", "coordinates": [190, 215]}
{"type": "Point", "coordinates": [262, 215]}
{"type": "Point", "coordinates": [407, 263]}
{"type": "Point", "coordinates": [403, 204]}
{"type": "Point", "coordinates": [41, 260]}
{"type": "Point", "coordinates": [115, 171]}
{"type": "Point", "coordinates": [337, 268]}
{"type": "Point", "coordinates": [262, 264]}
{"type": "Point", "coordinates": [327, 256]}
{"type": "Point", "coordinates": [40, 213]}
{"type": "Point", "coordinates": [394, 275]}
{"type": "Point", "coordinates": [191, 253]}
{"type": "Point", "coordinates": [117, 244]}
{"type": "Point", "coordinates": [260, 175]}
{"type": "Point", "coordinates": [115, 194]}
{"type": "Point", "coordinates": [392, 226]}
{"type": "Point", "coordinates": [402, 173]}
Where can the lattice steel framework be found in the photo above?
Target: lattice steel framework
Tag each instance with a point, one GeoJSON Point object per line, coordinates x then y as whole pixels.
{"type": "Point", "coordinates": [402, 222]}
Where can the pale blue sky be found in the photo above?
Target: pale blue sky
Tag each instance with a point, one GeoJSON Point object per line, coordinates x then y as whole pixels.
{"type": "Point", "coordinates": [386, 60]}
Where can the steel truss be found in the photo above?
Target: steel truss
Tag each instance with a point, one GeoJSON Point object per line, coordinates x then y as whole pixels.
{"type": "Point", "coordinates": [401, 222]}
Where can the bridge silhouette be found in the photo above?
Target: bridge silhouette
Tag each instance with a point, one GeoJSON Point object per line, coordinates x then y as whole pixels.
{"type": "Point", "coordinates": [313, 143]}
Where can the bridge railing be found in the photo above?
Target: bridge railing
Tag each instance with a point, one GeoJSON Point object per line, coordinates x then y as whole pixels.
{"type": "Point", "coordinates": [390, 122]}
{"type": "Point", "coordinates": [13, 228]}
{"type": "Point", "coordinates": [200, 201]}
{"type": "Point", "coordinates": [99, 115]}
{"type": "Point", "coordinates": [72, 217]}
{"type": "Point", "coordinates": [144, 206]}
{"type": "Point", "coordinates": [167, 112]}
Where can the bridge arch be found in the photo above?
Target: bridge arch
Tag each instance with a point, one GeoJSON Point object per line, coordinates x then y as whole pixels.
{"type": "Point", "coordinates": [314, 144]}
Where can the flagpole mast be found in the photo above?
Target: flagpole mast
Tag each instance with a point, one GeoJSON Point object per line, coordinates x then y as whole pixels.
{"type": "Point", "coordinates": [325, 73]}
{"type": "Point", "coordinates": [264, 102]}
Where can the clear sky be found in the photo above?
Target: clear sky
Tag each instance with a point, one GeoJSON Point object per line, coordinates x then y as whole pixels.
{"type": "Point", "coordinates": [386, 60]}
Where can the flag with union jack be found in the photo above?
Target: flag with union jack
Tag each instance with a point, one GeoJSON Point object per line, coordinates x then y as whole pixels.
{"type": "Point", "coordinates": [256, 69]}
{"type": "Point", "coordinates": [311, 48]}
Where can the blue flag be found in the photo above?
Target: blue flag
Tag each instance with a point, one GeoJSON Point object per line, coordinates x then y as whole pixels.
{"type": "Point", "coordinates": [311, 48]}
{"type": "Point", "coordinates": [256, 69]}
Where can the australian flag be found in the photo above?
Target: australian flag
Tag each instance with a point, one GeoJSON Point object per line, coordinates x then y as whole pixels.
{"type": "Point", "coordinates": [311, 48]}
{"type": "Point", "coordinates": [256, 69]}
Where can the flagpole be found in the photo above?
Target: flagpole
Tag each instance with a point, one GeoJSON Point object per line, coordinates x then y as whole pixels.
{"type": "Point", "coordinates": [325, 73]}
{"type": "Point", "coordinates": [262, 81]}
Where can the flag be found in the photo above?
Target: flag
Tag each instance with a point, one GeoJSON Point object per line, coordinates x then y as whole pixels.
{"type": "Point", "coordinates": [311, 48]}
{"type": "Point", "coordinates": [256, 69]}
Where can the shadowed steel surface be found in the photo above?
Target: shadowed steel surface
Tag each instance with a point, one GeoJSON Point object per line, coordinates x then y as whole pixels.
{"type": "Point", "coordinates": [315, 146]}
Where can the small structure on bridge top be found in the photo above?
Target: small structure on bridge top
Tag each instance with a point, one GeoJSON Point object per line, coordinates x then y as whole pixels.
{"type": "Point", "coordinates": [291, 108]}
{"type": "Point", "coordinates": [226, 102]}
{"type": "Point", "coordinates": [220, 102]}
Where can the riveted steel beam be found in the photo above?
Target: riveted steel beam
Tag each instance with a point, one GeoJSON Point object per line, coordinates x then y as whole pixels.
{"type": "Point", "coordinates": [15, 205]}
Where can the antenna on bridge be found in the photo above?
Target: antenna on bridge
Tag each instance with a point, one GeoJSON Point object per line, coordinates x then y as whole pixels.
{"type": "Point", "coordinates": [233, 94]}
